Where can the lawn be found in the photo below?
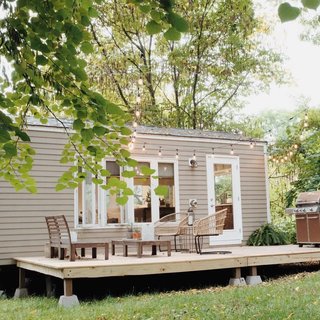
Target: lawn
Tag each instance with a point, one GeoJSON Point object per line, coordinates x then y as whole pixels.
{"type": "Point", "coordinates": [292, 297]}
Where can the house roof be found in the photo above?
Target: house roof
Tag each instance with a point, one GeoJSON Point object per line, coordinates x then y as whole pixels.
{"type": "Point", "coordinates": [150, 130]}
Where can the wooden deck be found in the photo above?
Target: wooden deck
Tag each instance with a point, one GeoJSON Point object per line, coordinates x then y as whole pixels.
{"type": "Point", "coordinates": [118, 265]}
{"type": "Point", "coordinates": [179, 262]}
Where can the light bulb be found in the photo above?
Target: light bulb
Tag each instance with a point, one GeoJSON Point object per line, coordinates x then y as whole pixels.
{"type": "Point", "coordinates": [177, 154]}
{"type": "Point", "coordinates": [135, 124]}
{"type": "Point", "coordinates": [194, 157]}
{"type": "Point", "coordinates": [144, 147]}
{"type": "Point", "coordinates": [137, 113]}
{"type": "Point", "coordinates": [131, 145]}
{"type": "Point", "coordinates": [138, 99]}
{"type": "Point", "coordinates": [160, 152]}
{"type": "Point", "coordinates": [140, 82]}
{"type": "Point", "coordinates": [251, 145]}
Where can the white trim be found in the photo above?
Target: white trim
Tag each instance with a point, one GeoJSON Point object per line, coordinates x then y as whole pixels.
{"type": "Point", "coordinates": [267, 183]}
{"type": "Point", "coordinates": [234, 236]}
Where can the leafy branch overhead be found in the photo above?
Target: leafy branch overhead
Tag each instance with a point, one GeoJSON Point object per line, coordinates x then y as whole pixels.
{"type": "Point", "coordinates": [288, 12]}
{"type": "Point", "coordinates": [45, 44]}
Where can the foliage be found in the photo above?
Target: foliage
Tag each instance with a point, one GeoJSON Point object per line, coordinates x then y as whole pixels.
{"type": "Point", "coordinates": [295, 158]}
{"type": "Point", "coordinates": [272, 300]}
{"type": "Point", "coordinates": [193, 83]}
{"type": "Point", "coordinates": [267, 235]}
{"type": "Point", "coordinates": [287, 225]}
{"type": "Point", "coordinates": [288, 12]}
{"type": "Point", "coordinates": [45, 43]}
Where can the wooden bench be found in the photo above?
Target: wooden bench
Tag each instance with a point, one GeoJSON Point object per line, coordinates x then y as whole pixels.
{"type": "Point", "coordinates": [139, 245]}
{"type": "Point", "coordinates": [60, 238]}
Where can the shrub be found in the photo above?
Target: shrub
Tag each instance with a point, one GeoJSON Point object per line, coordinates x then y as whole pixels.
{"type": "Point", "coordinates": [267, 235]}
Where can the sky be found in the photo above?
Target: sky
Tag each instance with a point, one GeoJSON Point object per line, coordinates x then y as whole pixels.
{"type": "Point", "coordinates": [302, 63]}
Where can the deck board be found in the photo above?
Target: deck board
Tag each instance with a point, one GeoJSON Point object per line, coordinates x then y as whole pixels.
{"type": "Point", "coordinates": [179, 262]}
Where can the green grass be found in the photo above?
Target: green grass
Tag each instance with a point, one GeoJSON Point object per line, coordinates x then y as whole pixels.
{"type": "Point", "coordinates": [293, 297]}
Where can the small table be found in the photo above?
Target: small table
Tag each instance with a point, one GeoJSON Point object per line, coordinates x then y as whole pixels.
{"type": "Point", "coordinates": [139, 245]}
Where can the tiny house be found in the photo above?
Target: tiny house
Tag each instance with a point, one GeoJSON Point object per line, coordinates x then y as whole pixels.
{"type": "Point", "coordinates": [217, 169]}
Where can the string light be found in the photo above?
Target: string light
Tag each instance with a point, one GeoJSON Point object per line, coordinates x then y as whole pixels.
{"type": "Point", "coordinates": [131, 145]}
{"type": "Point", "coordinates": [138, 99]}
{"type": "Point", "coordinates": [144, 147]}
{"type": "Point", "coordinates": [295, 146]}
{"type": "Point", "coordinates": [140, 82]}
{"type": "Point", "coordinates": [160, 152]}
{"type": "Point", "coordinates": [134, 124]}
{"type": "Point", "coordinates": [177, 153]}
{"type": "Point", "coordinates": [194, 157]}
{"type": "Point", "coordinates": [251, 145]}
{"type": "Point", "coordinates": [212, 150]}
{"type": "Point", "coordinates": [231, 151]}
{"type": "Point", "coordinates": [137, 113]}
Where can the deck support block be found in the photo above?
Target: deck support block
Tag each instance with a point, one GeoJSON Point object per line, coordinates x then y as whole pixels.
{"type": "Point", "coordinates": [253, 278]}
{"type": "Point", "coordinates": [68, 301]}
{"type": "Point", "coordinates": [22, 291]}
{"type": "Point", "coordinates": [237, 280]}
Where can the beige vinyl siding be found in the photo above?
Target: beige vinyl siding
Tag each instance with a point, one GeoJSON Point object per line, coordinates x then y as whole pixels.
{"type": "Point", "coordinates": [23, 231]}
{"type": "Point", "coordinates": [22, 226]}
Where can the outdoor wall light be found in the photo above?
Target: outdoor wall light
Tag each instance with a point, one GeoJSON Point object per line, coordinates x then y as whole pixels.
{"type": "Point", "coordinates": [193, 163]}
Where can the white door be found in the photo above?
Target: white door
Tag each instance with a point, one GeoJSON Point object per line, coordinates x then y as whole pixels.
{"type": "Point", "coordinates": [224, 192]}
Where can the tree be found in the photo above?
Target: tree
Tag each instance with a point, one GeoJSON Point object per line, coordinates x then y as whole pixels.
{"type": "Point", "coordinates": [45, 43]}
{"type": "Point", "coordinates": [216, 60]}
{"type": "Point", "coordinates": [295, 160]}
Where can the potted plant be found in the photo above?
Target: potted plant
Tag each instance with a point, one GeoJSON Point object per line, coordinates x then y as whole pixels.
{"type": "Point", "coordinates": [136, 233]}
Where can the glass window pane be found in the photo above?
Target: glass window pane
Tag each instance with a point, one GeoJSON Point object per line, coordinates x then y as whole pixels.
{"type": "Point", "coordinates": [223, 191]}
{"type": "Point", "coordinates": [166, 178]}
{"type": "Point", "coordinates": [113, 209]}
{"type": "Point", "coordinates": [88, 198]}
{"type": "Point", "coordinates": [142, 195]}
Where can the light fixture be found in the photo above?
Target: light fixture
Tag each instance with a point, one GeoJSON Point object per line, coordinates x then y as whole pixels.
{"type": "Point", "coordinates": [144, 147]}
{"type": "Point", "coordinates": [231, 151]}
{"type": "Point", "coordinates": [194, 157]}
{"type": "Point", "coordinates": [138, 99]}
{"type": "Point", "coordinates": [131, 145]}
{"type": "Point", "coordinates": [140, 82]}
{"type": "Point", "coordinates": [137, 113]}
{"type": "Point", "coordinates": [296, 146]}
{"type": "Point", "coordinates": [177, 153]}
{"type": "Point", "coordinates": [251, 145]}
{"type": "Point", "coordinates": [212, 150]}
{"type": "Point", "coordinates": [134, 124]}
{"type": "Point", "coordinates": [160, 152]}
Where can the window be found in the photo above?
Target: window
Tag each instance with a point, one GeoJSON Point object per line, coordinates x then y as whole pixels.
{"type": "Point", "coordinates": [88, 201]}
{"type": "Point", "coordinates": [113, 210]}
{"type": "Point", "coordinates": [142, 195]}
{"type": "Point", "coordinates": [166, 178]}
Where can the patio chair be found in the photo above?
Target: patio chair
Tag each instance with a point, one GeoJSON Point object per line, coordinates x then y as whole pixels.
{"type": "Point", "coordinates": [211, 225]}
{"type": "Point", "coordinates": [60, 238]}
{"type": "Point", "coordinates": [169, 226]}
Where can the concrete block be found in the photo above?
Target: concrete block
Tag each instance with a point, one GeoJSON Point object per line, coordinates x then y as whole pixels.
{"type": "Point", "coordinates": [237, 282]}
{"type": "Point", "coordinates": [253, 280]}
{"type": "Point", "coordinates": [68, 301]}
{"type": "Point", "coordinates": [20, 293]}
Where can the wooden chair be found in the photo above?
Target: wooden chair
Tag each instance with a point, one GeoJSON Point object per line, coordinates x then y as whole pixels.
{"type": "Point", "coordinates": [211, 225]}
{"type": "Point", "coordinates": [60, 238]}
{"type": "Point", "coordinates": [169, 226]}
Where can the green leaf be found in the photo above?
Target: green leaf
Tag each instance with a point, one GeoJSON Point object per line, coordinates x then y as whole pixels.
{"type": "Point", "coordinates": [86, 47]}
{"type": "Point", "coordinates": [178, 22]}
{"type": "Point", "coordinates": [172, 34]}
{"type": "Point", "coordinates": [127, 192]}
{"type": "Point", "coordinates": [146, 170]}
{"type": "Point", "coordinates": [153, 27]}
{"type": "Point", "coordinates": [87, 134]}
{"type": "Point", "coordinates": [122, 200]}
{"type": "Point", "coordinates": [311, 4]}
{"type": "Point", "coordinates": [78, 124]}
{"type": "Point", "coordinates": [112, 108]}
{"type": "Point", "coordinates": [145, 8]}
{"type": "Point", "coordinates": [22, 135]}
{"type": "Point", "coordinates": [41, 60]}
{"type": "Point", "coordinates": [10, 149]}
{"type": "Point", "coordinates": [32, 189]}
{"type": "Point", "coordinates": [97, 180]}
{"type": "Point", "coordinates": [128, 174]}
{"type": "Point", "coordinates": [60, 187]}
{"type": "Point", "coordinates": [287, 12]}
{"type": "Point", "coordinates": [4, 136]}
{"type": "Point", "coordinates": [126, 131]}
{"type": "Point", "coordinates": [99, 131]}
{"type": "Point", "coordinates": [125, 153]}
{"type": "Point", "coordinates": [161, 190]}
